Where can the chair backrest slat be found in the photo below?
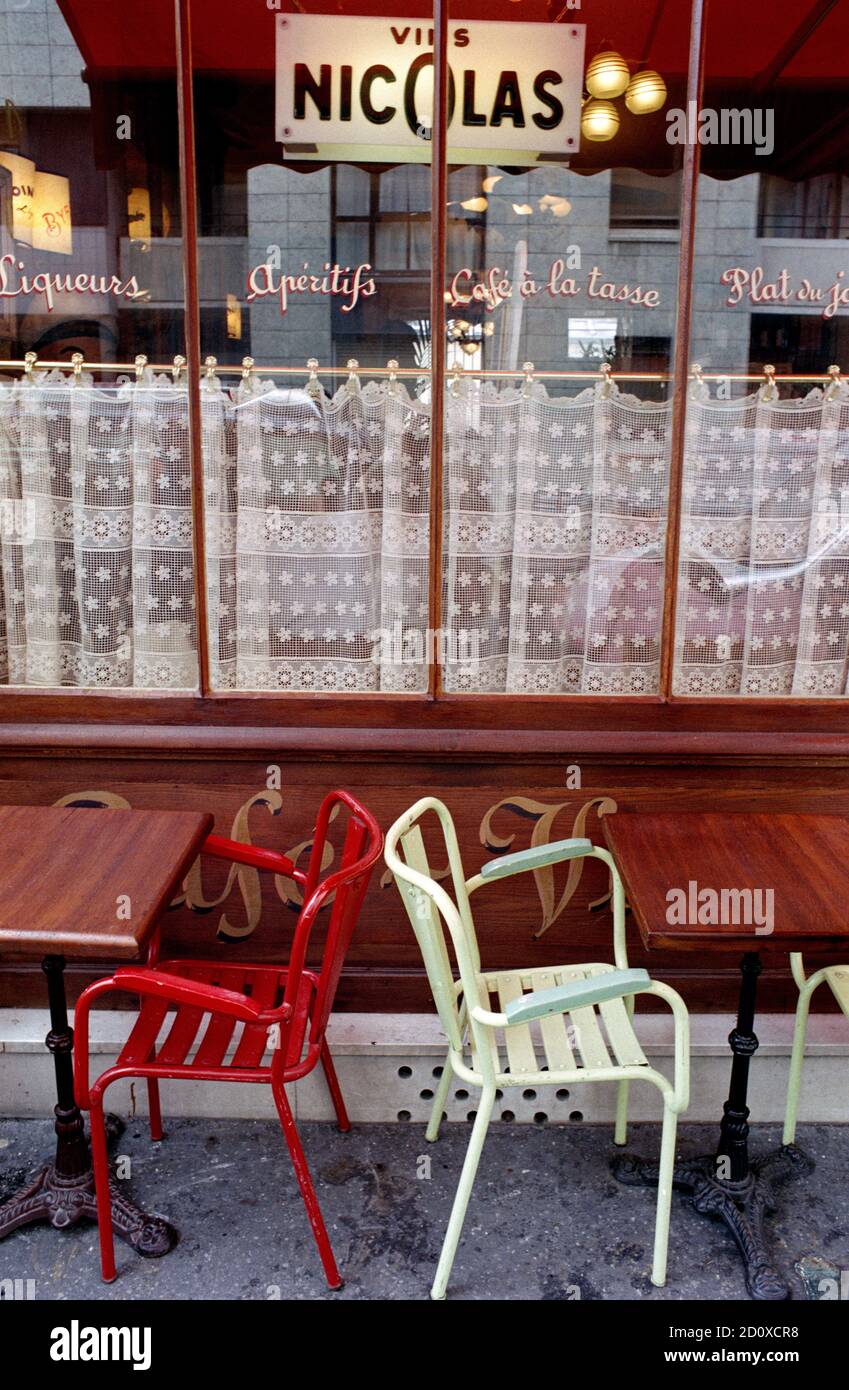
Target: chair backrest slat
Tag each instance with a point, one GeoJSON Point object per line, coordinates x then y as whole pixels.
{"type": "Point", "coordinates": [426, 923]}
{"type": "Point", "coordinates": [431, 912]}
{"type": "Point", "coordinates": [342, 890]}
{"type": "Point", "coordinates": [343, 919]}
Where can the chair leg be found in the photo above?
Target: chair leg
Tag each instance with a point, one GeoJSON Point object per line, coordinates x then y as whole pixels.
{"type": "Point", "coordinates": [620, 1133]}
{"type": "Point", "coordinates": [334, 1088]}
{"type": "Point", "coordinates": [100, 1164]}
{"type": "Point", "coordinates": [664, 1195]}
{"type": "Point", "coordinates": [432, 1131]}
{"type": "Point", "coordinates": [154, 1108]}
{"type": "Point", "coordinates": [302, 1173]}
{"type": "Point", "coordinates": [797, 1058]}
{"type": "Point", "coordinates": [464, 1192]}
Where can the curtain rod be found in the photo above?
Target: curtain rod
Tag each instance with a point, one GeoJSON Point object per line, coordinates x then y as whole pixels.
{"type": "Point", "coordinates": [313, 369]}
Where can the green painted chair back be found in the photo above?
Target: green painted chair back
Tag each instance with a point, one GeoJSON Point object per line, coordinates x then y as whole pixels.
{"type": "Point", "coordinates": [429, 906]}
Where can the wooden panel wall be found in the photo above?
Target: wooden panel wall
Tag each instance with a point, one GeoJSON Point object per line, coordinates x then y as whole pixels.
{"type": "Point", "coordinates": [497, 802]}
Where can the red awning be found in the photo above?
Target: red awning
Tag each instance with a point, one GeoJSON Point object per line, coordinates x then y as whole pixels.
{"type": "Point", "coordinates": [755, 56]}
{"type": "Point", "coordinates": [808, 38]}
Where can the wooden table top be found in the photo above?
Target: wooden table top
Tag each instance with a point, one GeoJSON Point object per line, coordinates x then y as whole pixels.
{"type": "Point", "coordinates": [90, 883]}
{"type": "Point", "coordinates": [803, 859]}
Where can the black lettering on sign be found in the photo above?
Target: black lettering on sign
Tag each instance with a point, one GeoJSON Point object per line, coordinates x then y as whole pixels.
{"type": "Point", "coordinates": [502, 109]}
{"type": "Point", "coordinates": [307, 86]}
{"type": "Point", "coordinates": [345, 92]}
{"type": "Point", "coordinates": [507, 105]}
{"type": "Point", "coordinates": [424, 60]}
{"type": "Point", "coordinates": [378, 72]}
{"type": "Point", "coordinates": [549, 78]}
{"type": "Point", "coordinates": [470, 115]}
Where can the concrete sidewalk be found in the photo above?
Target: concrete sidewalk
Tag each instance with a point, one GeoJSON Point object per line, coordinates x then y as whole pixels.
{"type": "Point", "coordinates": [546, 1220]}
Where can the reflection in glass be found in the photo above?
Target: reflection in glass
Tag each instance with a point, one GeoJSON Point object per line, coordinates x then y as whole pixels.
{"type": "Point", "coordinates": [762, 608]}
{"type": "Point", "coordinates": [562, 277]}
{"type": "Point", "coordinates": [96, 566]}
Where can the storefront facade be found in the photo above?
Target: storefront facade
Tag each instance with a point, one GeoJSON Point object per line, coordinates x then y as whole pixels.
{"type": "Point", "coordinates": [245, 557]}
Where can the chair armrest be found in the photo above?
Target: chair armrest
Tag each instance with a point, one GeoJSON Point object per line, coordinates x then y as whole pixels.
{"type": "Point", "coordinates": [681, 1089]}
{"type": "Point", "coordinates": [235, 852]}
{"type": "Point", "coordinates": [138, 979]}
{"type": "Point", "coordinates": [578, 994]}
{"type": "Point", "coordinates": [158, 984]}
{"type": "Point", "coordinates": [535, 858]}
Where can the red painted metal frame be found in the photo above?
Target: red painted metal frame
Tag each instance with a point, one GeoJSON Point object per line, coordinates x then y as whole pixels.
{"type": "Point", "coordinates": [195, 988]}
{"type": "Point", "coordinates": [237, 853]}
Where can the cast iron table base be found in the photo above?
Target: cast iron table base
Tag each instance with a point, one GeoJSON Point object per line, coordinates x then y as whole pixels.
{"type": "Point", "coordinates": [726, 1185]}
{"type": "Point", "coordinates": [63, 1191]}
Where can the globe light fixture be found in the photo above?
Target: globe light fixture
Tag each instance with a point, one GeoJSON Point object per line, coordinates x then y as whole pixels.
{"type": "Point", "coordinates": [607, 75]}
{"type": "Point", "coordinates": [646, 92]}
{"type": "Point", "coordinates": [599, 120]}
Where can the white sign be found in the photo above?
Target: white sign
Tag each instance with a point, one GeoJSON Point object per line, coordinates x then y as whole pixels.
{"type": "Point", "coordinates": [365, 87]}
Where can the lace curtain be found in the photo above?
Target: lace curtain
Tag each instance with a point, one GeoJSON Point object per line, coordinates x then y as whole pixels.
{"type": "Point", "coordinates": [96, 580]}
{"type": "Point", "coordinates": [317, 537]}
{"type": "Point", "coordinates": [554, 537]}
{"type": "Point", "coordinates": [763, 605]}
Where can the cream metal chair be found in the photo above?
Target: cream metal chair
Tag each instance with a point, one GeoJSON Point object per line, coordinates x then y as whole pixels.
{"type": "Point", "coordinates": [837, 976]}
{"type": "Point", "coordinates": [583, 1011]}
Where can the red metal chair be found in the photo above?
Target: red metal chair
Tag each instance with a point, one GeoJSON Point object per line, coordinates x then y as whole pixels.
{"type": "Point", "coordinates": [293, 1000]}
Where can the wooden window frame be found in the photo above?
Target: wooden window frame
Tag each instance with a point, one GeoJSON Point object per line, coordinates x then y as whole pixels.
{"type": "Point", "coordinates": [658, 724]}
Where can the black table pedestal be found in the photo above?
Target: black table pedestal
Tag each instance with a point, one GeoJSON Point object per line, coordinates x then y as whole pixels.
{"type": "Point", "coordinates": [63, 1191]}
{"type": "Point", "coordinates": [725, 1185]}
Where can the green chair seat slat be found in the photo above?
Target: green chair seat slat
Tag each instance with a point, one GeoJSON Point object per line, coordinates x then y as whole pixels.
{"type": "Point", "coordinates": [562, 1034]}
{"type": "Point", "coordinates": [521, 1053]}
{"type": "Point", "coordinates": [838, 979]}
{"type": "Point", "coordinates": [588, 1038]}
{"type": "Point", "coordinates": [621, 1033]}
{"type": "Point", "coordinates": [555, 1038]}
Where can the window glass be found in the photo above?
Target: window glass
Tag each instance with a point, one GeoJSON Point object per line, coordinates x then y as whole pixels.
{"type": "Point", "coordinates": [563, 214]}
{"type": "Point", "coordinates": [313, 146]}
{"type": "Point", "coordinates": [762, 606]}
{"type": "Point", "coordinates": [96, 580]}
